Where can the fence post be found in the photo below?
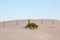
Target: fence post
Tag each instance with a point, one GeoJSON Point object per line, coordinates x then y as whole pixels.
{"type": "Point", "coordinates": [41, 21]}
{"type": "Point", "coordinates": [28, 21]}
{"type": "Point", "coordinates": [52, 22]}
{"type": "Point", "coordinates": [16, 22]}
{"type": "Point", "coordinates": [4, 24]}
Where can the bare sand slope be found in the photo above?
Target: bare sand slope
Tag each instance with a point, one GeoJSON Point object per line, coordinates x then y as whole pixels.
{"type": "Point", "coordinates": [23, 34]}
{"type": "Point", "coordinates": [44, 32]}
{"type": "Point", "coordinates": [27, 34]}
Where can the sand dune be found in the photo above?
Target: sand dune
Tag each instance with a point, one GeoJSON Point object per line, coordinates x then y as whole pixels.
{"type": "Point", "coordinates": [46, 31]}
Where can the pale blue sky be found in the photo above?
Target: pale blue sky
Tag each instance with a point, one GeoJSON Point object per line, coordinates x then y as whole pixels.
{"type": "Point", "coordinates": [29, 9]}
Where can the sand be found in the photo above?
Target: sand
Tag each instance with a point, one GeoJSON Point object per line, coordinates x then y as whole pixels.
{"type": "Point", "coordinates": [44, 32]}
{"type": "Point", "coordinates": [27, 34]}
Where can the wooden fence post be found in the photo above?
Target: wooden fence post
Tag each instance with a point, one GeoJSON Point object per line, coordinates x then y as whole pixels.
{"type": "Point", "coordinates": [4, 24]}
{"type": "Point", "coordinates": [41, 21]}
{"type": "Point", "coordinates": [28, 21]}
{"type": "Point", "coordinates": [52, 22]}
{"type": "Point", "coordinates": [16, 22]}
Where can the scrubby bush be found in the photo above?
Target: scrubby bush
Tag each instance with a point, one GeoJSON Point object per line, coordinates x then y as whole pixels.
{"type": "Point", "coordinates": [31, 26]}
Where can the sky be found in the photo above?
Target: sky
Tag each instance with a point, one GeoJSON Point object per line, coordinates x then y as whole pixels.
{"type": "Point", "coordinates": [29, 9]}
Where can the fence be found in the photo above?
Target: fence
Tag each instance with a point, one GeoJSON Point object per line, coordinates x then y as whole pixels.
{"type": "Point", "coordinates": [23, 23]}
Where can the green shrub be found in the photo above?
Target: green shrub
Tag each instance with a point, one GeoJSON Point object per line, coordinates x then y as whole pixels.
{"type": "Point", "coordinates": [31, 26]}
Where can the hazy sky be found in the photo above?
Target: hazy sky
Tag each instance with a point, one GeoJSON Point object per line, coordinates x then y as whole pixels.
{"type": "Point", "coordinates": [29, 9]}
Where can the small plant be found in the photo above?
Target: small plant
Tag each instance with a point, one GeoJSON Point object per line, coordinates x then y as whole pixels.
{"type": "Point", "coordinates": [31, 26]}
